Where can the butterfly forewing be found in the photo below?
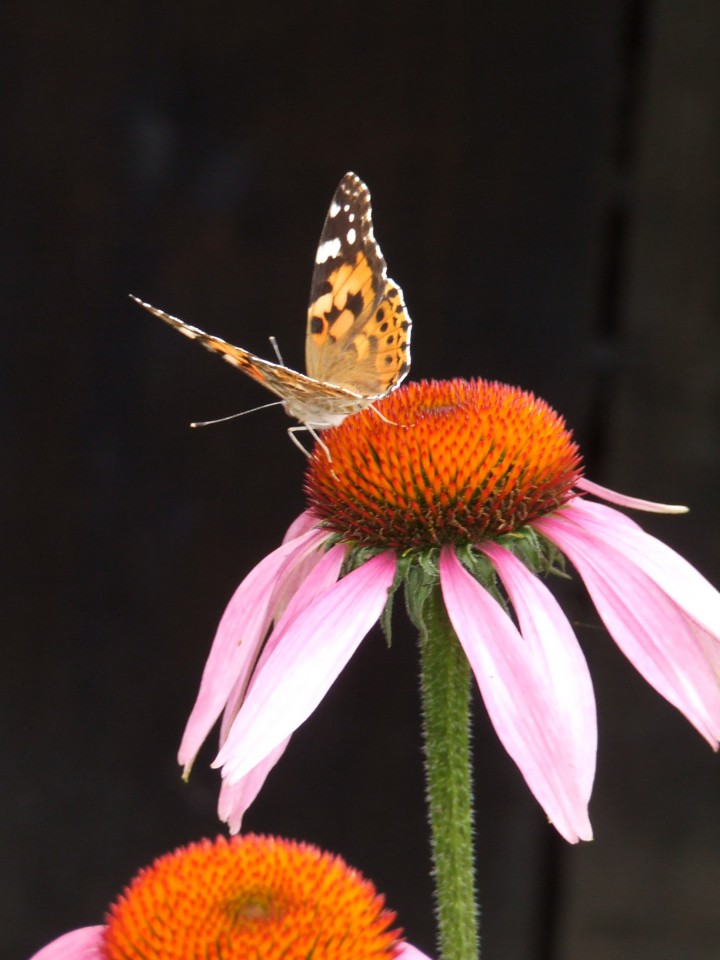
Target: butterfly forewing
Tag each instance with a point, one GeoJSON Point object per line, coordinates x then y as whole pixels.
{"type": "Point", "coordinates": [358, 331]}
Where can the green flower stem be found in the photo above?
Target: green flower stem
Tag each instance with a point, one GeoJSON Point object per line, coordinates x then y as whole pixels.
{"type": "Point", "coordinates": [446, 727]}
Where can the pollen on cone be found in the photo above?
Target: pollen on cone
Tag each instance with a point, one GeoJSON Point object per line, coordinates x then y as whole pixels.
{"type": "Point", "coordinates": [442, 462]}
{"type": "Point", "coordinates": [250, 896]}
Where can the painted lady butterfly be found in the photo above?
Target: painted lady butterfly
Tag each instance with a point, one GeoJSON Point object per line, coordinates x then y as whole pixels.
{"type": "Point", "coordinates": [357, 343]}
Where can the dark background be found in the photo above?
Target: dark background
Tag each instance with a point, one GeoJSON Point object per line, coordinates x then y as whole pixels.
{"type": "Point", "coordinates": [545, 187]}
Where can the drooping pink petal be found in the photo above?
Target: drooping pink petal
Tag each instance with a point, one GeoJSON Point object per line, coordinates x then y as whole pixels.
{"type": "Point", "coordinates": [303, 665]}
{"type": "Point", "coordinates": [406, 951]}
{"type": "Point", "coordinates": [324, 573]}
{"type": "Point", "coordinates": [324, 576]}
{"type": "Point", "coordinates": [241, 631]}
{"type": "Point", "coordinates": [672, 573]}
{"type": "Point", "coordinates": [518, 700]}
{"type": "Point", "coordinates": [235, 799]}
{"type": "Point", "coordinates": [709, 645]}
{"type": "Point", "coordinates": [306, 521]}
{"type": "Point", "coordinates": [292, 574]}
{"type": "Point", "coordinates": [82, 944]}
{"type": "Point", "coordinates": [623, 500]}
{"type": "Point", "coordinates": [558, 657]}
{"type": "Point", "coordinates": [652, 630]}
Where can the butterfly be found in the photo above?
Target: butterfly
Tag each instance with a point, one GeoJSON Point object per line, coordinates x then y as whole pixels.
{"type": "Point", "coordinates": [357, 341]}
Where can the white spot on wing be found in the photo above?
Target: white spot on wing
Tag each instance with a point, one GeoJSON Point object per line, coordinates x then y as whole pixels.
{"type": "Point", "coordinates": [327, 250]}
{"type": "Point", "coordinates": [334, 209]}
{"type": "Point", "coordinates": [351, 235]}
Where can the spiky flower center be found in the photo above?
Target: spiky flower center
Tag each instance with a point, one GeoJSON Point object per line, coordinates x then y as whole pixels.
{"type": "Point", "coordinates": [250, 896]}
{"type": "Point", "coordinates": [442, 462]}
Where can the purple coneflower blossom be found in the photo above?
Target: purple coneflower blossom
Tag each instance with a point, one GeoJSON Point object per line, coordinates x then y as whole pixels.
{"type": "Point", "coordinates": [480, 485]}
{"type": "Point", "coordinates": [251, 896]}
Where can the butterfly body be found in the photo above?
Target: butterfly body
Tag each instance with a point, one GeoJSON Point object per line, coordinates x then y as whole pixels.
{"type": "Point", "coordinates": [357, 344]}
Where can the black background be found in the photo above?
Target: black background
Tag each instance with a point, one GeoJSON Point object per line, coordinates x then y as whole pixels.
{"type": "Point", "coordinates": [545, 189]}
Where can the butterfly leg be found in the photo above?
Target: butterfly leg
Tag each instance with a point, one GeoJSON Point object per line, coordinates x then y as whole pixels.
{"type": "Point", "coordinates": [276, 348]}
{"type": "Point", "coordinates": [292, 431]}
{"type": "Point", "coordinates": [382, 416]}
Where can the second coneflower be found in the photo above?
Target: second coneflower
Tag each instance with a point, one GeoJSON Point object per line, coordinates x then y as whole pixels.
{"type": "Point", "coordinates": [250, 897]}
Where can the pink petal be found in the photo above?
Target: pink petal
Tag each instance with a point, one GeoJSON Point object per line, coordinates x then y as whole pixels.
{"type": "Point", "coordinates": [82, 944]}
{"type": "Point", "coordinates": [672, 573]}
{"type": "Point", "coordinates": [406, 951]}
{"type": "Point", "coordinates": [306, 521]}
{"type": "Point", "coordinates": [241, 631]}
{"type": "Point", "coordinates": [324, 576]}
{"type": "Point", "coordinates": [622, 500]}
{"type": "Point", "coordinates": [293, 574]}
{"type": "Point", "coordinates": [520, 705]}
{"type": "Point", "coordinates": [651, 629]}
{"type": "Point", "coordinates": [235, 799]}
{"type": "Point", "coordinates": [558, 657]}
{"type": "Point", "coordinates": [303, 665]}
{"type": "Point", "coordinates": [325, 571]}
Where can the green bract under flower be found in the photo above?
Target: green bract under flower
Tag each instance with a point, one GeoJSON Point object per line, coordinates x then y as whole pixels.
{"type": "Point", "coordinates": [442, 462]}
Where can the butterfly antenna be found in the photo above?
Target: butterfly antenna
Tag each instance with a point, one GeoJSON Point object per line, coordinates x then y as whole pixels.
{"type": "Point", "coordinates": [234, 416]}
